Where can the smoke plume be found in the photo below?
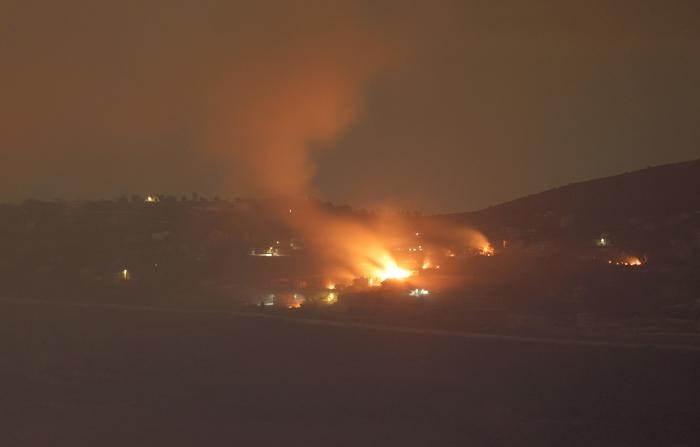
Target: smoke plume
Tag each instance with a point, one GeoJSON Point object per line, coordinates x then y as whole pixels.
{"type": "Point", "coordinates": [274, 110]}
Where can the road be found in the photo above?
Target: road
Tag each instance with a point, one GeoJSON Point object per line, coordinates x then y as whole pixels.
{"type": "Point", "coordinates": [365, 326]}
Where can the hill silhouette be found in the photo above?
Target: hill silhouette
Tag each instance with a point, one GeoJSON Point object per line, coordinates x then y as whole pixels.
{"type": "Point", "coordinates": [649, 197]}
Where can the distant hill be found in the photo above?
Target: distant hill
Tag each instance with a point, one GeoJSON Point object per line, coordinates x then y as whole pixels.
{"type": "Point", "coordinates": [650, 196]}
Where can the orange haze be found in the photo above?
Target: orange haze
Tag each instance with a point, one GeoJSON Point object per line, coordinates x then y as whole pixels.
{"type": "Point", "coordinates": [270, 115]}
{"type": "Point", "coordinates": [272, 112]}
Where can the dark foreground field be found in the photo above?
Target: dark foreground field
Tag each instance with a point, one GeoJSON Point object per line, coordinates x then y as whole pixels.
{"type": "Point", "coordinates": [108, 377]}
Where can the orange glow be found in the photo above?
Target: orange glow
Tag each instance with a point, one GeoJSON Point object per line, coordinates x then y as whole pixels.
{"type": "Point", "coordinates": [362, 252]}
{"type": "Point", "coordinates": [352, 249]}
{"type": "Point", "coordinates": [628, 261]}
{"type": "Point", "coordinates": [385, 269]}
{"type": "Point", "coordinates": [393, 271]}
{"type": "Point", "coordinates": [429, 265]}
{"type": "Point", "coordinates": [486, 250]}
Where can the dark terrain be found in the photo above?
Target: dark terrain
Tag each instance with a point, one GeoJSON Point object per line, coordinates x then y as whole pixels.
{"type": "Point", "coordinates": [72, 376]}
{"type": "Point", "coordinates": [656, 195]}
{"type": "Point", "coordinates": [188, 371]}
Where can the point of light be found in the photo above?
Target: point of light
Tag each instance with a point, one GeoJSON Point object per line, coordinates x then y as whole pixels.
{"type": "Point", "coordinates": [419, 292]}
{"type": "Point", "coordinates": [331, 298]}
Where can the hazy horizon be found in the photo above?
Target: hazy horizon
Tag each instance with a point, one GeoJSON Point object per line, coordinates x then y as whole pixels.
{"type": "Point", "coordinates": [438, 106]}
{"type": "Point", "coordinates": [192, 194]}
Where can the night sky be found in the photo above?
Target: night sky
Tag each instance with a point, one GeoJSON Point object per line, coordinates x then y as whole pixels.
{"type": "Point", "coordinates": [437, 105]}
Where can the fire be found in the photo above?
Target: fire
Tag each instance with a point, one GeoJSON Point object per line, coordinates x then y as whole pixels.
{"type": "Point", "coordinates": [354, 252]}
{"type": "Point", "coordinates": [351, 249]}
{"type": "Point", "coordinates": [627, 261]}
{"type": "Point", "coordinates": [393, 271]}
{"type": "Point", "coordinates": [383, 269]}
{"type": "Point", "coordinates": [486, 250]}
{"type": "Point", "coordinates": [374, 271]}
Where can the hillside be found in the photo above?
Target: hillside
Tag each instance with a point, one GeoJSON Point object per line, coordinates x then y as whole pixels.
{"type": "Point", "coordinates": [650, 197]}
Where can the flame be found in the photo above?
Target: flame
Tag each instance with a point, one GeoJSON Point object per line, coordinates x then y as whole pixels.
{"type": "Point", "coordinates": [628, 261]}
{"type": "Point", "coordinates": [351, 249]}
{"type": "Point", "coordinates": [486, 250]}
{"type": "Point", "coordinates": [383, 269]}
{"type": "Point", "coordinates": [364, 252]}
{"type": "Point", "coordinates": [393, 271]}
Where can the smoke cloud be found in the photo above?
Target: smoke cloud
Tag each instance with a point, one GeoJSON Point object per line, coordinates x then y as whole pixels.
{"type": "Point", "coordinates": [272, 112]}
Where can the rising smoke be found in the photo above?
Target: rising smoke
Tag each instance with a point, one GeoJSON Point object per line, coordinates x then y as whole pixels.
{"type": "Point", "coordinates": [274, 111]}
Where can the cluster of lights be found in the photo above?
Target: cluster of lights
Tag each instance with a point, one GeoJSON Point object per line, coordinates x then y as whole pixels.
{"type": "Point", "coordinates": [628, 262]}
{"type": "Point", "coordinates": [419, 292]}
{"type": "Point", "coordinates": [273, 250]}
{"type": "Point", "coordinates": [269, 300]}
